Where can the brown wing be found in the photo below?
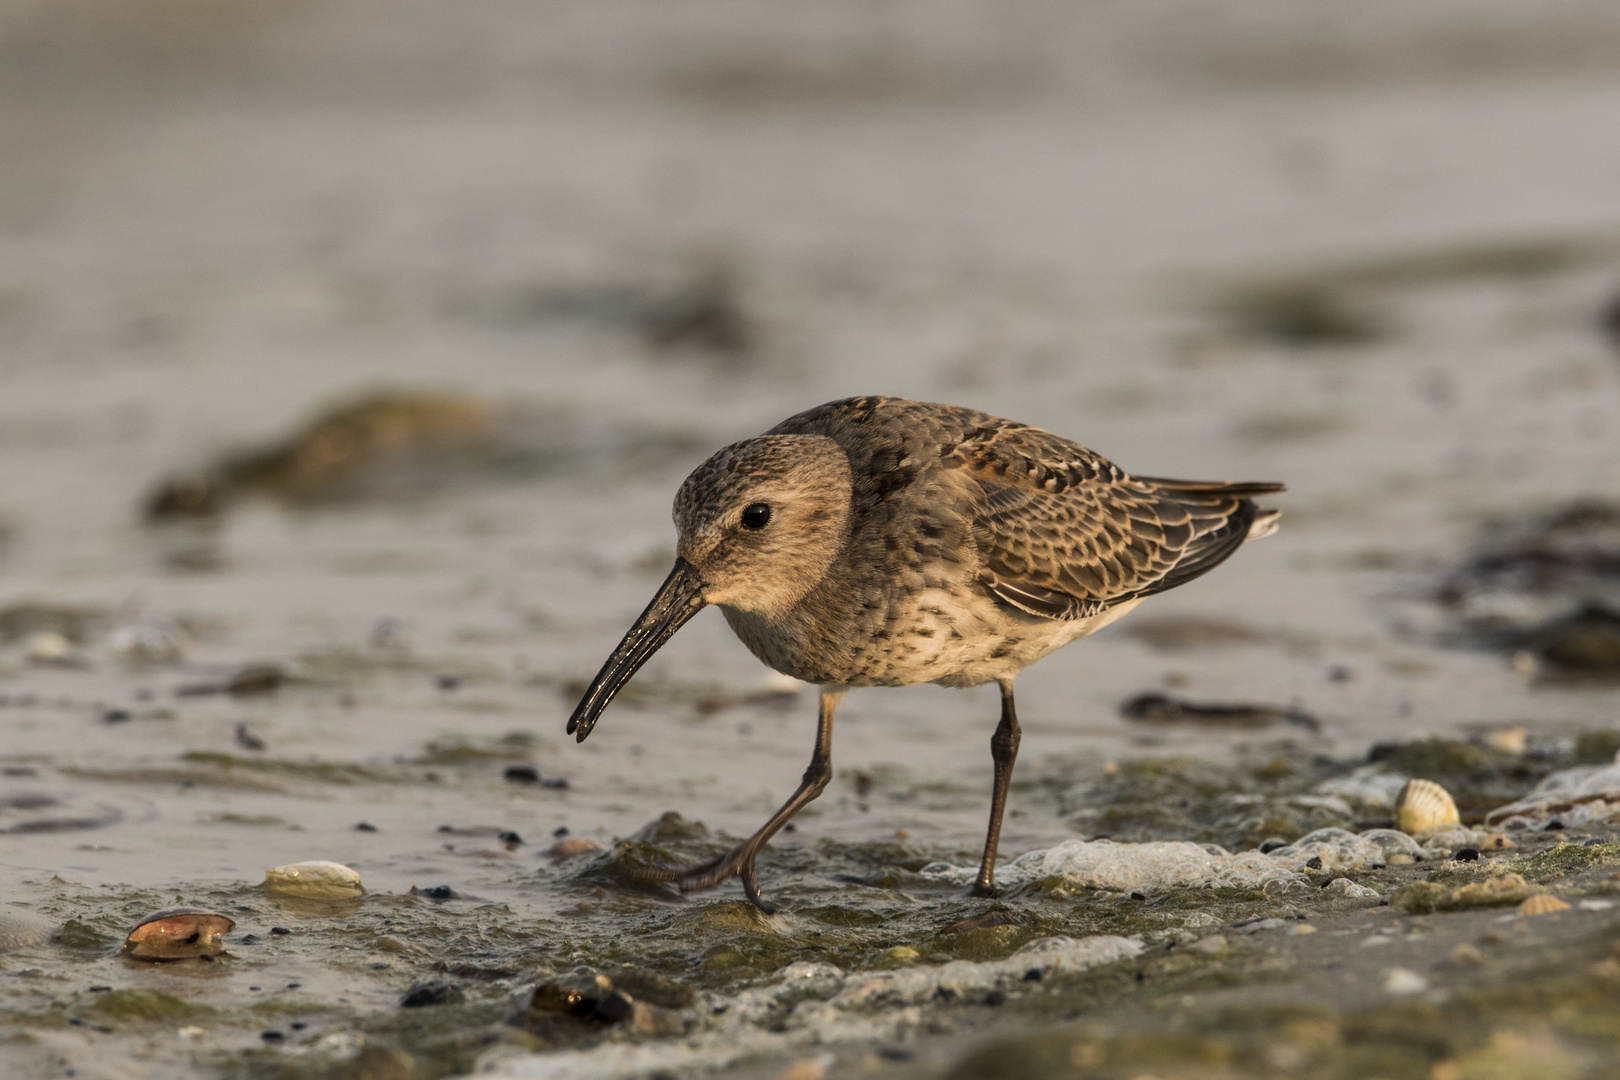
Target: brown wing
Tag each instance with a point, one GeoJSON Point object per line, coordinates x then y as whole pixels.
{"type": "Point", "coordinates": [1065, 533]}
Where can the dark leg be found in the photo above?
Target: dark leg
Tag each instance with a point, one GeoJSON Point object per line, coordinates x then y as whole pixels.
{"type": "Point", "coordinates": [740, 861]}
{"type": "Point", "coordinates": [1004, 751]}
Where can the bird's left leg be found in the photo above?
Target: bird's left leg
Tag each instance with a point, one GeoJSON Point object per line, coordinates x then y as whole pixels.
{"type": "Point", "coordinates": [1003, 751]}
{"type": "Point", "coordinates": [739, 862]}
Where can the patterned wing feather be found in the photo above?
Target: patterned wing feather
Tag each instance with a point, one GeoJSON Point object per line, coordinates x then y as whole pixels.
{"type": "Point", "coordinates": [1065, 533]}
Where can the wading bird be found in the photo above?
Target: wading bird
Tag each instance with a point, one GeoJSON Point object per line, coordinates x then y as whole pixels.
{"type": "Point", "coordinates": [882, 542]}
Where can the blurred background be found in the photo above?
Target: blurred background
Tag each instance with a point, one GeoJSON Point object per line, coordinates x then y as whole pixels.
{"type": "Point", "coordinates": [370, 340]}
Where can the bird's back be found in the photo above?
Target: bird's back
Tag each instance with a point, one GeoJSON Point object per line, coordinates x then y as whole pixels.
{"type": "Point", "coordinates": [966, 528]}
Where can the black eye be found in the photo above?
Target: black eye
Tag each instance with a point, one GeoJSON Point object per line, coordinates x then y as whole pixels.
{"type": "Point", "coordinates": [756, 516]}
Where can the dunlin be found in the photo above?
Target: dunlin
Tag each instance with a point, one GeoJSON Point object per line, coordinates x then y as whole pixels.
{"type": "Point", "coordinates": [882, 542]}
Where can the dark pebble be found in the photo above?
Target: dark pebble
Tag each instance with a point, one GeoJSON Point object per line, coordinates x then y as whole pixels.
{"type": "Point", "coordinates": [100, 989]}
{"type": "Point", "coordinates": [19, 770]}
{"type": "Point", "coordinates": [365, 826]}
{"type": "Point", "coordinates": [790, 827]}
{"type": "Point", "coordinates": [250, 939]}
{"type": "Point", "coordinates": [510, 838]}
{"type": "Point", "coordinates": [253, 988]}
{"type": "Point", "coordinates": [1594, 842]}
{"type": "Point", "coordinates": [294, 986]}
{"type": "Point", "coordinates": [298, 1025]}
{"type": "Point", "coordinates": [561, 830]}
{"type": "Point", "coordinates": [996, 997]}
{"type": "Point", "coordinates": [381, 967]}
{"type": "Point", "coordinates": [1034, 975]}
{"type": "Point", "coordinates": [278, 931]}
{"type": "Point", "coordinates": [1382, 750]}
{"type": "Point", "coordinates": [271, 1036]}
{"type": "Point", "coordinates": [556, 783]}
{"type": "Point", "coordinates": [117, 716]}
{"type": "Point", "coordinates": [522, 774]}
{"type": "Point", "coordinates": [438, 993]}
{"type": "Point", "coordinates": [439, 892]}
{"type": "Point", "coordinates": [1272, 844]}
{"type": "Point", "coordinates": [1467, 854]}
{"type": "Point", "coordinates": [1340, 673]}
{"type": "Point", "coordinates": [1138, 896]}
{"type": "Point", "coordinates": [1314, 863]}
{"type": "Point", "coordinates": [1552, 826]}
{"type": "Point", "coordinates": [894, 1053]}
{"type": "Point", "coordinates": [448, 682]}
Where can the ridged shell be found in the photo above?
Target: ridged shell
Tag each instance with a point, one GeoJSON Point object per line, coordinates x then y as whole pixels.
{"type": "Point", "coordinates": [178, 933]}
{"type": "Point", "coordinates": [1545, 904]}
{"type": "Point", "coordinates": [1424, 805]}
{"type": "Point", "coordinates": [318, 880]}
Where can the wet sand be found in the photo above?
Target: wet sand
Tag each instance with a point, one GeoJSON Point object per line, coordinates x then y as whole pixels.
{"type": "Point", "coordinates": [1064, 218]}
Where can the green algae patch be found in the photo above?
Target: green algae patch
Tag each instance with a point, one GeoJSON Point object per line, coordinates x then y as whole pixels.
{"type": "Point", "coordinates": [147, 1005]}
{"type": "Point", "coordinates": [1566, 858]}
{"type": "Point", "coordinates": [1429, 897]}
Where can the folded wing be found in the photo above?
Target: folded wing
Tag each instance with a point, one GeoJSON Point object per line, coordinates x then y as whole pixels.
{"type": "Point", "coordinates": [1066, 534]}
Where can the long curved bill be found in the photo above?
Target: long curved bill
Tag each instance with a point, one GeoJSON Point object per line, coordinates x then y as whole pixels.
{"type": "Point", "coordinates": [678, 599]}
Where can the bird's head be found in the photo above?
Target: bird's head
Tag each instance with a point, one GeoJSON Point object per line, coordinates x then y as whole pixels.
{"type": "Point", "coordinates": [759, 524]}
{"type": "Point", "coordinates": [762, 520]}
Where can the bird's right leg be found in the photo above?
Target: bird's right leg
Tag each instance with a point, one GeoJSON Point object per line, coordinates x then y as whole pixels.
{"type": "Point", "coordinates": [739, 862]}
{"type": "Point", "coordinates": [1003, 751]}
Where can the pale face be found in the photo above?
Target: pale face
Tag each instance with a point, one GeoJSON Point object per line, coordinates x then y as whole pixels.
{"type": "Point", "coordinates": [763, 519]}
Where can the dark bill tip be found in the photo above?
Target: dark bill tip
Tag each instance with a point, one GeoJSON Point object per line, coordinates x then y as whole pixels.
{"type": "Point", "coordinates": [678, 599]}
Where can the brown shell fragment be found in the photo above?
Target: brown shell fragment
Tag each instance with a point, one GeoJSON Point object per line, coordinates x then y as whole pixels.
{"type": "Point", "coordinates": [179, 933]}
{"type": "Point", "coordinates": [1544, 904]}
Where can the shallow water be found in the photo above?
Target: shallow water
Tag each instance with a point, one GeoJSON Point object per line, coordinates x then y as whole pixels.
{"type": "Point", "coordinates": [1364, 256]}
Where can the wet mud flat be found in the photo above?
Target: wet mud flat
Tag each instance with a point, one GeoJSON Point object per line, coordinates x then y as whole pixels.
{"type": "Point", "coordinates": [1252, 911]}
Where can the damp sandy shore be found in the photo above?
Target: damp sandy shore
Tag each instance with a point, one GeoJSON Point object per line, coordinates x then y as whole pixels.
{"type": "Point", "coordinates": [1364, 256]}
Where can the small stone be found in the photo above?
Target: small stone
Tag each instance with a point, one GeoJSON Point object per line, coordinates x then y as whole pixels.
{"type": "Point", "coordinates": [1466, 854]}
{"type": "Point", "coordinates": [902, 953]}
{"type": "Point", "coordinates": [510, 839]}
{"type": "Point", "coordinates": [438, 892]}
{"type": "Point", "coordinates": [117, 716]}
{"type": "Point", "coordinates": [522, 774]}
{"type": "Point", "coordinates": [1271, 844]}
{"type": "Point", "coordinates": [570, 846]}
{"type": "Point", "coordinates": [1465, 955]}
{"type": "Point", "coordinates": [423, 995]}
{"type": "Point", "coordinates": [279, 931]}
{"type": "Point", "coordinates": [1302, 928]}
{"type": "Point", "coordinates": [23, 929]}
{"type": "Point", "coordinates": [1595, 905]}
{"type": "Point", "coordinates": [804, 1069]}
{"type": "Point", "coordinates": [1314, 863]}
{"type": "Point", "coordinates": [365, 826]}
{"type": "Point", "coordinates": [318, 879]}
{"type": "Point", "coordinates": [271, 1036]}
{"type": "Point", "coordinates": [1403, 982]}
{"type": "Point", "coordinates": [1214, 945]}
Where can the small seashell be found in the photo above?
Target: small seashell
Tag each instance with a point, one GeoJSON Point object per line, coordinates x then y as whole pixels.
{"type": "Point", "coordinates": [178, 933]}
{"type": "Point", "coordinates": [1424, 805]}
{"type": "Point", "coordinates": [1509, 740]}
{"type": "Point", "coordinates": [1496, 842]}
{"type": "Point", "coordinates": [1544, 904]}
{"type": "Point", "coordinates": [317, 880]}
